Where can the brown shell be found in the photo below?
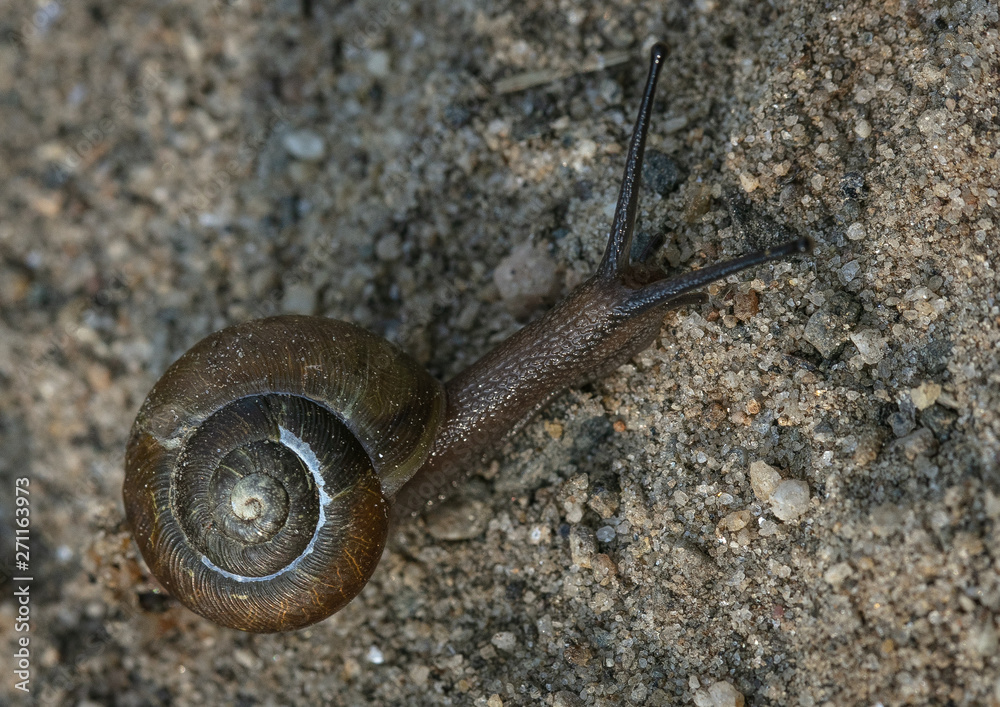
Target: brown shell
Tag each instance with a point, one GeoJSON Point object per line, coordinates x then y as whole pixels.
{"type": "Point", "coordinates": [318, 419]}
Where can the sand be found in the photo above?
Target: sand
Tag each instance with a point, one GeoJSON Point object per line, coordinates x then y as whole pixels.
{"type": "Point", "coordinates": [171, 168]}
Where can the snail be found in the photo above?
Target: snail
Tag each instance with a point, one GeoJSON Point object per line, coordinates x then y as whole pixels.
{"type": "Point", "coordinates": [264, 467]}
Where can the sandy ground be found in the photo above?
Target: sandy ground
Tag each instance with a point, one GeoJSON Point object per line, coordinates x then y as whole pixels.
{"type": "Point", "coordinates": [171, 168]}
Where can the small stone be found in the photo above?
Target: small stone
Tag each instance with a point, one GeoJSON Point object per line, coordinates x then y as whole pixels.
{"type": "Point", "coordinates": [855, 232]}
{"type": "Point", "coordinates": [746, 306]}
{"type": "Point", "coordinates": [660, 173]}
{"type": "Point", "coordinates": [767, 528]}
{"type": "Point", "coordinates": [389, 247]}
{"type": "Point", "coordinates": [377, 63]}
{"type": "Point", "coordinates": [582, 546]}
{"type": "Point", "coordinates": [720, 694]}
{"type": "Point", "coordinates": [852, 185]}
{"type": "Point", "coordinates": [938, 420]}
{"type": "Point", "coordinates": [869, 446]}
{"type": "Point", "coordinates": [605, 534]}
{"type": "Point", "coordinates": [526, 279]}
{"type": "Point", "coordinates": [902, 423]}
{"type": "Point", "coordinates": [982, 640]}
{"type": "Point", "coordinates": [564, 698]}
{"type": "Point", "coordinates": [919, 443]}
{"type": "Point", "coordinates": [830, 325]}
{"type": "Point", "coordinates": [932, 122]}
{"type": "Point", "coordinates": [836, 575]}
{"type": "Point", "coordinates": [504, 641]}
{"type": "Point", "coordinates": [749, 182]}
{"type": "Point", "coordinates": [849, 271]}
{"type": "Point", "coordinates": [603, 502]}
{"type": "Point", "coordinates": [870, 345]}
{"type": "Point", "coordinates": [862, 128]}
{"type": "Point", "coordinates": [790, 499]}
{"type": "Point", "coordinates": [299, 298]}
{"type": "Point", "coordinates": [304, 145]}
{"type": "Point", "coordinates": [375, 656]}
{"type": "Point", "coordinates": [764, 479]}
{"type": "Point", "coordinates": [419, 674]}
{"type": "Point", "coordinates": [735, 521]}
{"type": "Point", "coordinates": [457, 519]}
{"type": "Point", "coordinates": [603, 567]}
{"type": "Point", "coordinates": [577, 654]}
{"type": "Point", "coordinates": [925, 395]}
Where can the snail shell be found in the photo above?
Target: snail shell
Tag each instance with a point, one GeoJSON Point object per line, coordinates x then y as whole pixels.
{"type": "Point", "coordinates": [257, 492]}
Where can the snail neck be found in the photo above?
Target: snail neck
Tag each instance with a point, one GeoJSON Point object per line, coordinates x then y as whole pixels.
{"type": "Point", "coordinates": [586, 335]}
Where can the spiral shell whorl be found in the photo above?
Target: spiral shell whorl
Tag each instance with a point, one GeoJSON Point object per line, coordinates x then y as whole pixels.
{"type": "Point", "coordinates": [259, 467]}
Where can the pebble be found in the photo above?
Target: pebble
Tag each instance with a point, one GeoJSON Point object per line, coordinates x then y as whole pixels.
{"type": "Point", "coordinates": [603, 502]}
{"type": "Point", "coordinates": [919, 443]}
{"type": "Point", "coordinates": [849, 271]}
{"type": "Point", "coordinates": [504, 641]}
{"type": "Point", "coordinates": [719, 694]}
{"type": "Point", "coordinates": [378, 63]}
{"type": "Point", "coordinates": [746, 306]}
{"type": "Point", "coordinates": [790, 499]}
{"type": "Point", "coordinates": [605, 534]}
{"type": "Point", "coordinates": [836, 575]}
{"type": "Point", "coordinates": [938, 420]}
{"type": "Point", "coordinates": [925, 395]}
{"type": "Point", "coordinates": [304, 145]}
{"type": "Point", "coordinates": [852, 186]}
{"type": "Point", "coordinates": [830, 325]}
{"type": "Point", "coordinates": [299, 298]}
{"type": "Point", "coordinates": [457, 519]}
{"type": "Point", "coordinates": [389, 248]}
{"type": "Point", "coordinates": [764, 479]}
{"type": "Point", "coordinates": [660, 173]}
{"type": "Point", "coordinates": [903, 422]}
{"type": "Point", "coordinates": [526, 279]}
{"type": "Point", "coordinates": [870, 344]}
{"type": "Point", "coordinates": [582, 546]}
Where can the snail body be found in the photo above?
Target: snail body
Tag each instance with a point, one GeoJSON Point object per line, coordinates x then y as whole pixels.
{"type": "Point", "coordinates": [264, 466]}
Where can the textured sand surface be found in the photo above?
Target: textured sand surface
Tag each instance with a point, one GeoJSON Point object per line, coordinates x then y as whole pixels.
{"type": "Point", "coordinates": [171, 168]}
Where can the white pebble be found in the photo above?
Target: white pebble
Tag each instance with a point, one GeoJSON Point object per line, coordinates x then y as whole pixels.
{"type": "Point", "coordinates": [720, 694]}
{"type": "Point", "coordinates": [870, 345]}
{"type": "Point", "coordinates": [505, 641]}
{"type": "Point", "coordinates": [378, 63]}
{"type": "Point", "coordinates": [925, 396]}
{"type": "Point", "coordinates": [838, 573]}
{"type": "Point", "coordinates": [304, 145]}
{"type": "Point", "coordinates": [375, 656]}
{"type": "Point", "coordinates": [790, 499]}
{"type": "Point", "coordinates": [526, 278]}
{"type": "Point", "coordinates": [764, 479]}
{"type": "Point", "coordinates": [606, 534]}
{"type": "Point", "coordinates": [856, 231]}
